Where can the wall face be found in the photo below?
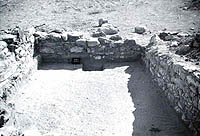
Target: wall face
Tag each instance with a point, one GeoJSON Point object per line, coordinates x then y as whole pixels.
{"type": "Point", "coordinates": [62, 47]}
{"type": "Point", "coordinates": [180, 80]}
{"type": "Point", "coordinates": [16, 64]}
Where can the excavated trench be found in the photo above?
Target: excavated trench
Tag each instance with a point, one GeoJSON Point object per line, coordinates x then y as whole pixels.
{"type": "Point", "coordinates": [152, 114]}
{"type": "Point", "coordinates": [99, 87]}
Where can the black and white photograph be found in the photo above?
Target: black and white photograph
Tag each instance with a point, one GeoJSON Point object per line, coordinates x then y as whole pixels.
{"type": "Point", "coordinates": [99, 67]}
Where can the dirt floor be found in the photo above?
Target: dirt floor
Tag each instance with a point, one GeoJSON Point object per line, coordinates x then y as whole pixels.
{"type": "Point", "coordinates": [61, 99]}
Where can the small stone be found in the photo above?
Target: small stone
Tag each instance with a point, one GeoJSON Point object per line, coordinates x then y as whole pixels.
{"type": "Point", "coordinates": [192, 28]}
{"type": "Point", "coordinates": [73, 36]}
{"type": "Point", "coordinates": [76, 49]}
{"type": "Point", "coordinates": [116, 37]}
{"type": "Point", "coordinates": [140, 29]}
{"type": "Point", "coordinates": [108, 29]}
{"type": "Point", "coordinates": [102, 21]}
{"type": "Point", "coordinates": [185, 8]}
{"type": "Point", "coordinates": [92, 42]}
{"type": "Point", "coordinates": [174, 44]}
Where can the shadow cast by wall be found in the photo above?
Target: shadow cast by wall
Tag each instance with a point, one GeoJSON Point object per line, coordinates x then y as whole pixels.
{"type": "Point", "coordinates": [59, 66]}
{"type": "Point", "coordinates": [153, 115]}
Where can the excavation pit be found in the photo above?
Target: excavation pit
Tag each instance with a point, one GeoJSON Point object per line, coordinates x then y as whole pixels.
{"type": "Point", "coordinates": [97, 82]}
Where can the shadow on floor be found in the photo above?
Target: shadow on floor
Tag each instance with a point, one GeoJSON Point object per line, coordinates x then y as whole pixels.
{"type": "Point", "coordinates": [153, 115]}
{"type": "Point", "coordinates": [59, 66]}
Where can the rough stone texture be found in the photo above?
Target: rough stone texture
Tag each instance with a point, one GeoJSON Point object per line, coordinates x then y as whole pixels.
{"type": "Point", "coordinates": [57, 48]}
{"type": "Point", "coordinates": [140, 29]}
{"type": "Point", "coordinates": [180, 80]}
{"type": "Point", "coordinates": [108, 29]}
{"type": "Point", "coordinates": [16, 64]}
{"type": "Point", "coordinates": [102, 21]}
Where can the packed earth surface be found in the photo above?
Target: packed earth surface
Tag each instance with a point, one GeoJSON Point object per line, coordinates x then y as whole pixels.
{"type": "Point", "coordinates": [62, 99]}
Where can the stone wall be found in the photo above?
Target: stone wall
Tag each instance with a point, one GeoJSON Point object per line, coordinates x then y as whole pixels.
{"type": "Point", "coordinates": [104, 43]}
{"type": "Point", "coordinates": [179, 80]}
{"type": "Point", "coordinates": [16, 64]}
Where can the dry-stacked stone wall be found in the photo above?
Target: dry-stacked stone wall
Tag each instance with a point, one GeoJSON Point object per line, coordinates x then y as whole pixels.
{"type": "Point", "coordinates": [16, 64]}
{"type": "Point", "coordinates": [104, 43]}
{"type": "Point", "coordinates": [178, 78]}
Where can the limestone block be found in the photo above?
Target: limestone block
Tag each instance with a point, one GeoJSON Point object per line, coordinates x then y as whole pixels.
{"type": "Point", "coordinates": [76, 49]}
{"type": "Point", "coordinates": [115, 37]}
{"type": "Point", "coordinates": [104, 41]}
{"type": "Point", "coordinates": [117, 44]}
{"type": "Point", "coordinates": [8, 38]}
{"type": "Point", "coordinates": [166, 36]}
{"type": "Point", "coordinates": [41, 35]}
{"type": "Point", "coordinates": [183, 49]}
{"type": "Point", "coordinates": [81, 42]}
{"type": "Point", "coordinates": [129, 43]}
{"type": "Point", "coordinates": [98, 33]}
{"type": "Point", "coordinates": [73, 36]}
{"type": "Point", "coordinates": [54, 36]}
{"type": "Point", "coordinates": [93, 42]}
{"type": "Point", "coordinates": [109, 29]}
{"type": "Point", "coordinates": [47, 50]}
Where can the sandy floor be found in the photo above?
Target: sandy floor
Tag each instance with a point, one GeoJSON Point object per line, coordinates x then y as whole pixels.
{"type": "Point", "coordinates": [74, 102]}
{"type": "Point", "coordinates": [64, 100]}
